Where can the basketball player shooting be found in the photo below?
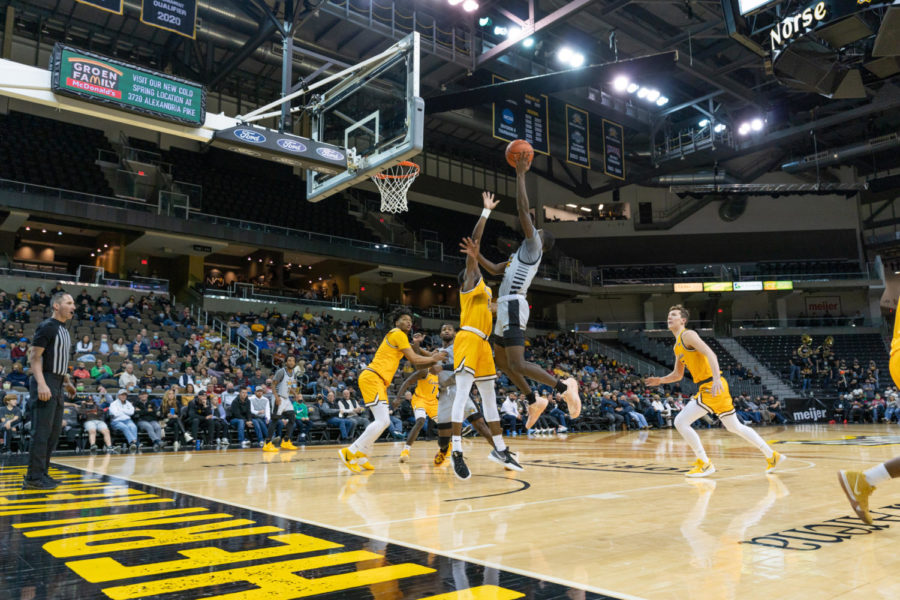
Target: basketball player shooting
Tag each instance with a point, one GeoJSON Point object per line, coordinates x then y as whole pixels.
{"type": "Point", "coordinates": [512, 309]}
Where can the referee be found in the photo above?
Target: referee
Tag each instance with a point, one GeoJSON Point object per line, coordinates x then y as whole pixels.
{"type": "Point", "coordinates": [49, 361]}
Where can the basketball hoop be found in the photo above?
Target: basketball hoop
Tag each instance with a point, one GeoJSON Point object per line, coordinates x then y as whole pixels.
{"type": "Point", "coordinates": [393, 184]}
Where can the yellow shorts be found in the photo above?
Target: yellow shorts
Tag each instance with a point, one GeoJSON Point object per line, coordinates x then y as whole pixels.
{"type": "Point", "coordinates": [372, 388]}
{"type": "Point", "coordinates": [427, 405]}
{"type": "Point", "coordinates": [720, 405]}
{"type": "Point", "coordinates": [473, 353]}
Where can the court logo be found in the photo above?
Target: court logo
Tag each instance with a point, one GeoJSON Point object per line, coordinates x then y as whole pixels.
{"type": "Point", "coordinates": [248, 135]}
{"type": "Point", "coordinates": [849, 440]}
{"type": "Point", "coordinates": [508, 116]}
{"type": "Point", "coordinates": [292, 145]}
{"type": "Point", "coordinates": [94, 76]}
{"type": "Point", "coordinates": [329, 153]}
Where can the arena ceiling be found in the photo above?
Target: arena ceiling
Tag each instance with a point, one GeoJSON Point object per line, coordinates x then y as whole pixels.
{"type": "Point", "coordinates": [238, 47]}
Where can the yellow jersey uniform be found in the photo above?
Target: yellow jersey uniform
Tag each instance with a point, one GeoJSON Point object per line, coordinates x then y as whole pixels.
{"type": "Point", "coordinates": [701, 373]}
{"type": "Point", "coordinates": [425, 397]}
{"type": "Point", "coordinates": [894, 364]}
{"type": "Point", "coordinates": [373, 381]}
{"type": "Point", "coordinates": [471, 350]}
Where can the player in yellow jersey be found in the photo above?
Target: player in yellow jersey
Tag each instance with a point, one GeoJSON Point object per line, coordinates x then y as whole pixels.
{"type": "Point", "coordinates": [712, 396]}
{"type": "Point", "coordinates": [473, 361]}
{"type": "Point", "coordinates": [424, 402]}
{"type": "Point", "coordinates": [859, 485]}
{"type": "Point", "coordinates": [375, 379]}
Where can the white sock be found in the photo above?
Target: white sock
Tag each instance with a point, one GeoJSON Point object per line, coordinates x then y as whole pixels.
{"type": "Point", "coordinates": [498, 442]}
{"type": "Point", "coordinates": [877, 475]}
{"type": "Point", "coordinates": [374, 430]}
{"type": "Point", "coordinates": [733, 425]}
{"type": "Point", "coordinates": [407, 447]}
{"type": "Point", "coordinates": [456, 440]}
{"type": "Point", "coordinates": [691, 412]}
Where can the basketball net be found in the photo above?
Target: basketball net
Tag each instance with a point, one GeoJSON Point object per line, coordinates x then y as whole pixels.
{"type": "Point", "coordinates": [393, 183]}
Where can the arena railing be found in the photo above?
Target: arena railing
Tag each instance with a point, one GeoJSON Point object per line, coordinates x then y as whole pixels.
{"type": "Point", "coordinates": [144, 284]}
{"type": "Point", "coordinates": [248, 291]}
{"type": "Point", "coordinates": [810, 322]}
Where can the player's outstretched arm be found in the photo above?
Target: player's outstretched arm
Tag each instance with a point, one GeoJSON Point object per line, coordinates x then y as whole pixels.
{"type": "Point", "coordinates": [522, 205]}
{"type": "Point", "coordinates": [677, 374]}
{"type": "Point", "coordinates": [419, 361]}
{"type": "Point", "coordinates": [408, 383]}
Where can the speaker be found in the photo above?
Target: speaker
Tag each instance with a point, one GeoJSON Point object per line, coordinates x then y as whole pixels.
{"type": "Point", "coordinates": [645, 213]}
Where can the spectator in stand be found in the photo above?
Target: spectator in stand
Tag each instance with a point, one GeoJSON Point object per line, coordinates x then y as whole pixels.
{"type": "Point", "coordinates": [84, 297]}
{"type": "Point", "coordinates": [353, 410]}
{"type": "Point", "coordinates": [554, 410]}
{"type": "Point", "coordinates": [892, 408]}
{"type": "Point", "coordinates": [200, 416]}
{"type": "Point", "coordinates": [301, 410]}
{"type": "Point", "coordinates": [139, 346]}
{"type": "Point", "coordinates": [147, 416]}
{"type": "Point", "coordinates": [120, 348]}
{"type": "Point", "coordinates": [18, 352]}
{"type": "Point", "coordinates": [330, 412]}
{"type": "Point", "coordinates": [84, 347]}
{"type": "Point", "coordinates": [17, 377]}
{"type": "Point", "coordinates": [187, 378]}
{"type": "Point", "coordinates": [510, 415]}
{"type": "Point", "coordinates": [10, 421]}
{"type": "Point", "coordinates": [103, 347]}
{"type": "Point", "coordinates": [71, 429]}
{"type": "Point", "coordinates": [81, 372]}
{"type": "Point", "coordinates": [148, 378]}
{"type": "Point", "coordinates": [857, 409]}
{"type": "Point", "coordinates": [257, 379]}
{"type": "Point", "coordinates": [5, 353]}
{"type": "Point", "coordinates": [629, 412]}
{"type": "Point", "coordinates": [221, 420]}
{"type": "Point", "coordinates": [242, 418]}
{"type": "Point", "coordinates": [92, 420]}
{"type": "Point", "coordinates": [128, 380]}
{"type": "Point", "coordinates": [20, 314]}
{"type": "Point", "coordinates": [777, 410]}
{"type": "Point", "coordinates": [261, 411]}
{"type": "Point", "coordinates": [120, 412]}
{"type": "Point", "coordinates": [171, 412]}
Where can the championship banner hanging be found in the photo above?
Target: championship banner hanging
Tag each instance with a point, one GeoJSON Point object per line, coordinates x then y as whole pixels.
{"type": "Point", "coordinates": [177, 16]}
{"type": "Point", "coordinates": [578, 136]}
{"type": "Point", "coordinates": [113, 6]}
{"type": "Point", "coordinates": [524, 118]}
{"type": "Point", "coordinates": [613, 149]}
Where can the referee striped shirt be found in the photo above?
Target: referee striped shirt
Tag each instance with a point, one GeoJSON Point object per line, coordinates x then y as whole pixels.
{"type": "Point", "coordinates": [53, 337]}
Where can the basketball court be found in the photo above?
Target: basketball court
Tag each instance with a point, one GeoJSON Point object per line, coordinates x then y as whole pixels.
{"type": "Point", "coordinates": [593, 515]}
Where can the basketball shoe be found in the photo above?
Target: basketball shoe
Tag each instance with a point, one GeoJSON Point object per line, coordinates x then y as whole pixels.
{"type": "Point", "coordinates": [287, 445]}
{"type": "Point", "coordinates": [701, 469]}
{"type": "Point", "coordinates": [270, 447]}
{"type": "Point", "coordinates": [404, 455]}
{"type": "Point", "coordinates": [772, 463]}
{"type": "Point", "coordinates": [573, 400]}
{"type": "Point", "coordinates": [459, 465]}
{"type": "Point", "coordinates": [858, 491]}
{"type": "Point", "coordinates": [535, 410]}
{"type": "Point", "coordinates": [348, 459]}
{"type": "Point", "coordinates": [440, 459]}
{"type": "Point", "coordinates": [506, 459]}
{"type": "Point", "coordinates": [363, 461]}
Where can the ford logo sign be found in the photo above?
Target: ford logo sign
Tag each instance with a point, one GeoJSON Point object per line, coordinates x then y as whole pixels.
{"type": "Point", "coordinates": [248, 135]}
{"type": "Point", "coordinates": [292, 145]}
{"type": "Point", "coordinates": [329, 154]}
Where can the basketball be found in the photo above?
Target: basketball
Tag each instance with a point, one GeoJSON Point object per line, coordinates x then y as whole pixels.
{"type": "Point", "coordinates": [517, 147]}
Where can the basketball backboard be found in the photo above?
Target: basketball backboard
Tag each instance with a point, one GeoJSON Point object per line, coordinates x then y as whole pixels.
{"type": "Point", "coordinates": [375, 113]}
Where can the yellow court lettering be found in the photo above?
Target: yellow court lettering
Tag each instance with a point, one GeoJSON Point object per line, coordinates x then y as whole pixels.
{"type": "Point", "coordinates": [93, 543]}
{"type": "Point", "coordinates": [118, 521]}
{"type": "Point", "coordinates": [96, 570]}
{"type": "Point", "coordinates": [104, 503]}
{"type": "Point", "coordinates": [482, 592]}
{"type": "Point", "coordinates": [277, 580]}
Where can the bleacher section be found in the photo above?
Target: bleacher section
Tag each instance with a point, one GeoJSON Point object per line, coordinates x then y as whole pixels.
{"type": "Point", "coordinates": [242, 187]}
{"type": "Point", "coordinates": [775, 352]}
{"type": "Point", "coordinates": [52, 153]}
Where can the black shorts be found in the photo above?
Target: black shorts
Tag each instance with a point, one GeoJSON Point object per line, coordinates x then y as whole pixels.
{"type": "Point", "coordinates": [514, 336]}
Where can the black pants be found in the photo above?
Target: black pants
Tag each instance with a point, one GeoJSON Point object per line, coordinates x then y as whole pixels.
{"type": "Point", "coordinates": [288, 431]}
{"type": "Point", "coordinates": [46, 425]}
{"type": "Point", "coordinates": [214, 428]}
